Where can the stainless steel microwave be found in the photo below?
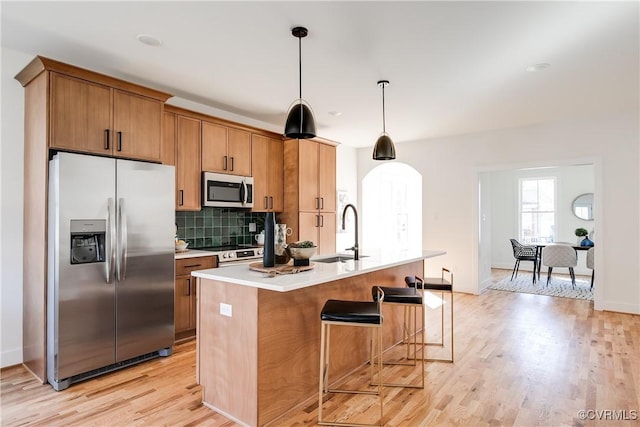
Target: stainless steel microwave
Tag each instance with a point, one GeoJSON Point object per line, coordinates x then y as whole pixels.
{"type": "Point", "coordinates": [227, 191]}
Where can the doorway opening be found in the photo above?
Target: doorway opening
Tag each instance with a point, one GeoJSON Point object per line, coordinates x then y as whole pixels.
{"type": "Point", "coordinates": [510, 209]}
{"type": "Point", "coordinates": [392, 207]}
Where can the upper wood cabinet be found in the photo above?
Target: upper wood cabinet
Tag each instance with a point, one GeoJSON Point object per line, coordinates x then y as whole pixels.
{"type": "Point", "coordinates": [318, 173]}
{"type": "Point", "coordinates": [310, 192]}
{"type": "Point", "coordinates": [94, 118]}
{"type": "Point", "coordinates": [267, 164]}
{"type": "Point", "coordinates": [226, 149]}
{"type": "Point", "coordinates": [188, 147]}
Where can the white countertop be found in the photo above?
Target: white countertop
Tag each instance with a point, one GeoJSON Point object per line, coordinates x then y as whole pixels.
{"type": "Point", "coordinates": [193, 253]}
{"type": "Point", "coordinates": [322, 273]}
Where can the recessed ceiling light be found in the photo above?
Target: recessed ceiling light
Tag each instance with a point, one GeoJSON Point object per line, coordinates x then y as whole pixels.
{"type": "Point", "coordinates": [149, 40]}
{"type": "Point", "coordinates": [335, 113]}
{"type": "Point", "coordinates": [538, 67]}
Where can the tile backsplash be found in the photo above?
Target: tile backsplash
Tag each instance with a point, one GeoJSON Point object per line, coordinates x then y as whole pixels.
{"type": "Point", "coordinates": [217, 226]}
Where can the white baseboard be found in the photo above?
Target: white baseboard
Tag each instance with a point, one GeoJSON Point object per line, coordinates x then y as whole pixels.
{"type": "Point", "coordinates": [11, 357]}
{"type": "Point", "coordinates": [619, 307]}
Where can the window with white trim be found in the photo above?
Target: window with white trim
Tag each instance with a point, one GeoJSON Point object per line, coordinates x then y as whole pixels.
{"type": "Point", "coordinates": [537, 210]}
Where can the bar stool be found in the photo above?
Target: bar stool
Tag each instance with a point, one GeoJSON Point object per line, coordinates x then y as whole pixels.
{"type": "Point", "coordinates": [443, 286]}
{"type": "Point", "coordinates": [350, 313]}
{"type": "Point", "coordinates": [407, 298]}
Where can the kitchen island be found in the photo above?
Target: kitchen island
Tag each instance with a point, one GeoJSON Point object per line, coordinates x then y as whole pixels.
{"type": "Point", "coordinates": [258, 336]}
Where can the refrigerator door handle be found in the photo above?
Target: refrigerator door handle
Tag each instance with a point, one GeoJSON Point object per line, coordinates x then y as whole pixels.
{"type": "Point", "coordinates": [122, 240]}
{"type": "Point", "coordinates": [110, 241]}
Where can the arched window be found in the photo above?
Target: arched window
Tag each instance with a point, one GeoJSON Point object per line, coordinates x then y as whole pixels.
{"type": "Point", "coordinates": [392, 207]}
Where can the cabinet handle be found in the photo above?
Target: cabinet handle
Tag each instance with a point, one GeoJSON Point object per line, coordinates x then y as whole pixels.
{"type": "Point", "coordinates": [266, 203]}
{"type": "Point", "coordinates": [232, 163]}
{"type": "Point", "coordinates": [321, 220]}
{"type": "Point", "coordinates": [193, 265]}
{"type": "Point", "coordinates": [317, 203]}
{"type": "Point", "coordinates": [181, 197]}
{"type": "Point", "coordinates": [317, 221]}
{"type": "Point", "coordinates": [270, 202]}
{"type": "Point", "coordinates": [188, 287]}
{"type": "Point", "coordinates": [119, 141]}
{"type": "Point", "coordinates": [321, 202]}
{"type": "Point", "coordinates": [225, 163]}
{"type": "Point", "coordinates": [106, 139]}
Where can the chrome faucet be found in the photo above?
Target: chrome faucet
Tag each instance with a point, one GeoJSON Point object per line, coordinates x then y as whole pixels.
{"type": "Point", "coordinates": [356, 255]}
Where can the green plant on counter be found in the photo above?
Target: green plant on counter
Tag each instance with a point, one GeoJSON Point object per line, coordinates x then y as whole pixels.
{"type": "Point", "coordinates": [581, 232]}
{"type": "Point", "coordinates": [303, 244]}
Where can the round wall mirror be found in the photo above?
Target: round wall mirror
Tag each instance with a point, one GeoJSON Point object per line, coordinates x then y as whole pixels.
{"type": "Point", "coordinates": [582, 206]}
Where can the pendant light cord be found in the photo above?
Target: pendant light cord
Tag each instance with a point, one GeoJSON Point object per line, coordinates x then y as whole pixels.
{"type": "Point", "coordinates": [300, 63]}
{"type": "Point", "coordinates": [384, 130]}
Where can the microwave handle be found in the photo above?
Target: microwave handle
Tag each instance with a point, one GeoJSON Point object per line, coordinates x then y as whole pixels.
{"type": "Point", "coordinates": [243, 192]}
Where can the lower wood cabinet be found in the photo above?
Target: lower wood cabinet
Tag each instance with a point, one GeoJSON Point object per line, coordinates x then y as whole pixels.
{"type": "Point", "coordinates": [185, 294]}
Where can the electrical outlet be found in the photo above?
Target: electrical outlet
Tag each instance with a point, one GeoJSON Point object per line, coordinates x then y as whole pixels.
{"type": "Point", "coordinates": [226, 309]}
{"type": "Point", "coordinates": [252, 227]}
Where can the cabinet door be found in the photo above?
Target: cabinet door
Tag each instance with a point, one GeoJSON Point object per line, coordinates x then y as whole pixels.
{"type": "Point", "coordinates": [308, 159]}
{"type": "Point", "coordinates": [327, 177]}
{"type": "Point", "coordinates": [276, 175]}
{"type": "Point", "coordinates": [137, 123]}
{"type": "Point", "coordinates": [80, 116]}
{"type": "Point", "coordinates": [308, 227]}
{"type": "Point", "coordinates": [239, 152]}
{"type": "Point", "coordinates": [168, 139]}
{"type": "Point", "coordinates": [214, 148]}
{"type": "Point", "coordinates": [188, 184]}
{"type": "Point", "coordinates": [327, 233]}
{"type": "Point", "coordinates": [259, 154]}
{"type": "Point", "coordinates": [182, 303]}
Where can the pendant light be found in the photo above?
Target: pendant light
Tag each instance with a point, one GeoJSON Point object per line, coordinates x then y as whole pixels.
{"type": "Point", "coordinates": [384, 149]}
{"type": "Point", "coordinates": [300, 122]}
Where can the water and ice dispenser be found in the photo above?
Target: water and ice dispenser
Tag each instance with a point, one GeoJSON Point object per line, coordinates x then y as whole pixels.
{"type": "Point", "coordinates": [88, 240]}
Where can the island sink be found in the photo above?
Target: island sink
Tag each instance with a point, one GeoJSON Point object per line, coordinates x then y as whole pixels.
{"type": "Point", "coordinates": [338, 258]}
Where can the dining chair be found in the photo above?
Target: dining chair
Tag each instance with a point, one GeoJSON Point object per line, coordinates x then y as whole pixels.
{"type": "Point", "coordinates": [560, 255]}
{"type": "Point", "coordinates": [523, 253]}
{"type": "Point", "coordinates": [590, 254]}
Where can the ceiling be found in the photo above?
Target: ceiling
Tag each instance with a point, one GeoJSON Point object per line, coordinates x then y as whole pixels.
{"type": "Point", "coordinates": [454, 67]}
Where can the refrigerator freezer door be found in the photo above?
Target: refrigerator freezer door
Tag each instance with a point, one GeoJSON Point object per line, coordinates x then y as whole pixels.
{"type": "Point", "coordinates": [144, 308]}
{"type": "Point", "coordinates": [80, 323]}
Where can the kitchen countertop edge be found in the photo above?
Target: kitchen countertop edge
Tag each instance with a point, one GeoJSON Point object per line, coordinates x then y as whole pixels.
{"type": "Point", "coordinates": [322, 273]}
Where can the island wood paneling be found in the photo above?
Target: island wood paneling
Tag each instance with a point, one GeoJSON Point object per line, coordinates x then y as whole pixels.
{"type": "Point", "coordinates": [227, 350]}
{"type": "Point", "coordinates": [264, 360]}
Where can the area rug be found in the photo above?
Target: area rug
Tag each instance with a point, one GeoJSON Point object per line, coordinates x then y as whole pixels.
{"type": "Point", "coordinates": [558, 287]}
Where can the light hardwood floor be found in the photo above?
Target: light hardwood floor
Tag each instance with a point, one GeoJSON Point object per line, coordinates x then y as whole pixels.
{"type": "Point", "coordinates": [521, 360]}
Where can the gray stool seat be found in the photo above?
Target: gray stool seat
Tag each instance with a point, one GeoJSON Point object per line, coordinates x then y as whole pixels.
{"type": "Point", "coordinates": [351, 311]}
{"type": "Point", "coordinates": [397, 295]}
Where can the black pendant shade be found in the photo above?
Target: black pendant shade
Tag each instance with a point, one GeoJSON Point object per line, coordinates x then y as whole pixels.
{"type": "Point", "coordinates": [300, 123]}
{"type": "Point", "coordinates": [384, 148]}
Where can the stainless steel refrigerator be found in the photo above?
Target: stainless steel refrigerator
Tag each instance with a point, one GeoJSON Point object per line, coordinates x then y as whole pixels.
{"type": "Point", "coordinates": [111, 265]}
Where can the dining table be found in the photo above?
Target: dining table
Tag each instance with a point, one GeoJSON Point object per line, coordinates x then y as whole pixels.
{"type": "Point", "coordinates": [537, 266]}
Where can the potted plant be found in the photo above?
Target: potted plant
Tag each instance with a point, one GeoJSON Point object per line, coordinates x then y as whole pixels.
{"type": "Point", "coordinates": [582, 234]}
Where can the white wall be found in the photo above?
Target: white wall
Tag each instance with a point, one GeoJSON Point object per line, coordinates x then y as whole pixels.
{"type": "Point", "coordinates": [571, 181]}
{"type": "Point", "coordinates": [11, 189]}
{"type": "Point", "coordinates": [451, 167]}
